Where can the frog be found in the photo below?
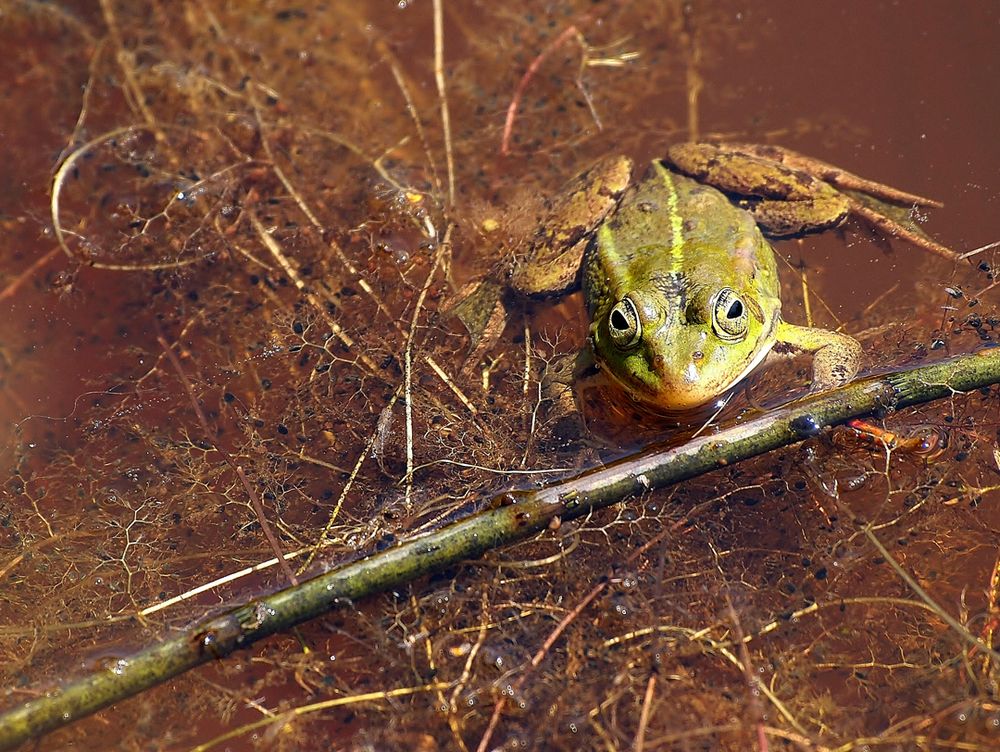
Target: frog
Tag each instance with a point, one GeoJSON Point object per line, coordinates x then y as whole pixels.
{"type": "Point", "coordinates": [679, 278]}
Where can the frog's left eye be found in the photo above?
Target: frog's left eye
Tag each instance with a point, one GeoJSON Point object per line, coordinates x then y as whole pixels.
{"type": "Point", "coordinates": [729, 315]}
{"type": "Point", "coordinates": [623, 325]}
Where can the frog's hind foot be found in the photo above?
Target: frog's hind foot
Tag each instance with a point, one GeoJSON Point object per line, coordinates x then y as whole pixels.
{"type": "Point", "coordinates": [791, 194]}
{"type": "Point", "coordinates": [898, 222]}
{"type": "Point", "coordinates": [479, 306]}
{"type": "Point", "coordinates": [886, 208]}
{"type": "Point", "coordinates": [835, 176]}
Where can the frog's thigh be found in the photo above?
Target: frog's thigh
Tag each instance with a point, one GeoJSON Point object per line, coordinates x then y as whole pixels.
{"type": "Point", "coordinates": [734, 171]}
{"type": "Point", "coordinates": [790, 201]}
{"type": "Point", "coordinates": [836, 357]}
{"type": "Point", "coordinates": [782, 218]}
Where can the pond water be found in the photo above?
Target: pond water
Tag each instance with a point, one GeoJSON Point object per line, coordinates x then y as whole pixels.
{"type": "Point", "coordinates": [231, 233]}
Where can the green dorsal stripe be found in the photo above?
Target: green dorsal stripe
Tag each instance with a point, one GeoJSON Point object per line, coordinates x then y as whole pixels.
{"type": "Point", "coordinates": [607, 240]}
{"type": "Point", "coordinates": [676, 224]}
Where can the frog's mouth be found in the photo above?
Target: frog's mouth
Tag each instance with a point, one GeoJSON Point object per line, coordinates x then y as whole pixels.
{"type": "Point", "coordinates": [696, 393]}
{"type": "Point", "coordinates": [765, 341]}
{"type": "Point", "coordinates": [755, 361]}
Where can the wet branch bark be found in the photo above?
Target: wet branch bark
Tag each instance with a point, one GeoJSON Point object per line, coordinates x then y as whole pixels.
{"type": "Point", "coordinates": [507, 518]}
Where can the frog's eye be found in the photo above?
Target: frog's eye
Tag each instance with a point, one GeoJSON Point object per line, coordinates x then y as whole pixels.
{"type": "Point", "coordinates": [623, 324]}
{"type": "Point", "coordinates": [729, 315]}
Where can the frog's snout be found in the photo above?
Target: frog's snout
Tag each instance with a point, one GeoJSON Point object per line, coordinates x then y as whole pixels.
{"type": "Point", "coordinates": [679, 371]}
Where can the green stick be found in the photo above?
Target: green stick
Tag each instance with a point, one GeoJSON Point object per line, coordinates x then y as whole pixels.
{"type": "Point", "coordinates": [507, 518]}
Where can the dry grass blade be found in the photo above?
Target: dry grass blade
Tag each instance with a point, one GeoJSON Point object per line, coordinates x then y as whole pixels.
{"type": "Point", "coordinates": [443, 95]}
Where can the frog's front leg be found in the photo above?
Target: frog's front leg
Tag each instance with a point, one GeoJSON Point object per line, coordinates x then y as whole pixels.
{"type": "Point", "coordinates": [836, 357]}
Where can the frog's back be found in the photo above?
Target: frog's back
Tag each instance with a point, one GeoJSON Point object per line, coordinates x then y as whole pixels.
{"type": "Point", "coordinates": [673, 231]}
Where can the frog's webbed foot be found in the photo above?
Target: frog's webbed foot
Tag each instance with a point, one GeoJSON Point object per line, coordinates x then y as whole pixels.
{"type": "Point", "coordinates": [565, 421]}
{"type": "Point", "coordinates": [896, 221]}
{"type": "Point", "coordinates": [479, 306]}
{"type": "Point", "coordinates": [887, 208]}
{"type": "Point", "coordinates": [836, 356]}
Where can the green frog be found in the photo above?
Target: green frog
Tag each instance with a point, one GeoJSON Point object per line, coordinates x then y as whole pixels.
{"type": "Point", "coordinates": [680, 284]}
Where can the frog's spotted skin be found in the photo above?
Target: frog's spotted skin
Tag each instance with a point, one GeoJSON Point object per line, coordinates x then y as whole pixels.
{"type": "Point", "coordinates": [654, 276]}
{"type": "Point", "coordinates": [680, 284]}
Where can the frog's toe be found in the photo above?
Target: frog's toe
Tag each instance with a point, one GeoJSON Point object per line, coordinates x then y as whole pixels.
{"type": "Point", "coordinates": [897, 221]}
{"type": "Point", "coordinates": [476, 306]}
{"type": "Point", "coordinates": [836, 375]}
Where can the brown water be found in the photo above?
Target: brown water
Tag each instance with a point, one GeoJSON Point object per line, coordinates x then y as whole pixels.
{"type": "Point", "coordinates": [210, 126]}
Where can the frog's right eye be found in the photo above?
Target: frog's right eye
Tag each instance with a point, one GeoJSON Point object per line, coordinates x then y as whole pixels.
{"type": "Point", "coordinates": [623, 325]}
{"type": "Point", "coordinates": [729, 316]}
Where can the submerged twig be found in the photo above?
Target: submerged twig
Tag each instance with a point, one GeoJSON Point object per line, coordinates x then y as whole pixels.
{"type": "Point", "coordinates": [505, 519]}
{"type": "Point", "coordinates": [754, 684]}
{"type": "Point", "coordinates": [58, 181]}
{"type": "Point", "coordinates": [411, 107]}
{"type": "Point", "coordinates": [315, 707]}
{"type": "Point", "coordinates": [408, 359]}
{"type": "Point", "coordinates": [647, 703]}
{"type": "Point", "coordinates": [15, 284]}
{"type": "Point", "coordinates": [508, 127]}
{"type": "Point", "coordinates": [977, 643]}
{"type": "Point", "coordinates": [126, 61]}
{"type": "Point", "coordinates": [692, 55]}
{"type": "Point", "coordinates": [349, 484]}
{"type": "Point", "coordinates": [981, 249]}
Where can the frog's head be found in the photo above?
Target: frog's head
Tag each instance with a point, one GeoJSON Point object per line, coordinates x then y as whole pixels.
{"type": "Point", "coordinates": [682, 349]}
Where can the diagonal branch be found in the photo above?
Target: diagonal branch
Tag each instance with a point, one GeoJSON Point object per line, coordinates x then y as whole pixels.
{"type": "Point", "coordinates": [505, 518]}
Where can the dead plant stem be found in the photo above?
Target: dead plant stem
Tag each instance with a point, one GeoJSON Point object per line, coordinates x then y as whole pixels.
{"type": "Point", "coordinates": [443, 96]}
{"type": "Point", "coordinates": [960, 629]}
{"type": "Point", "coordinates": [647, 704]}
{"type": "Point", "coordinates": [408, 361]}
{"type": "Point", "coordinates": [515, 102]}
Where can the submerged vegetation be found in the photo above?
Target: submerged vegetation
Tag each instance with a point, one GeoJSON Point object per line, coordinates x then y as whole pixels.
{"type": "Point", "coordinates": [244, 228]}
